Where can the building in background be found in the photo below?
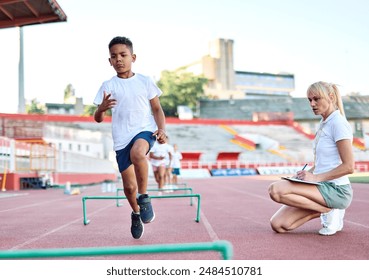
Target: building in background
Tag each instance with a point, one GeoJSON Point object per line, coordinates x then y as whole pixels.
{"type": "Point", "coordinates": [224, 82]}
{"type": "Point", "coordinates": [264, 84]}
{"type": "Point", "coordinates": [71, 108]}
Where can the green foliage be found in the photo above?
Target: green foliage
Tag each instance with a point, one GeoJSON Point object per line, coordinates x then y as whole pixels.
{"type": "Point", "coordinates": [180, 88]}
{"type": "Point", "coordinates": [35, 108]}
{"type": "Point", "coordinates": [68, 92]}
{"type": "Point", "coordinates": [89, 110]}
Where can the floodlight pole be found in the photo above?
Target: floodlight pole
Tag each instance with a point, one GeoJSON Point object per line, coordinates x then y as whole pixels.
{"type": "Point", "coordinates": [21, 100]}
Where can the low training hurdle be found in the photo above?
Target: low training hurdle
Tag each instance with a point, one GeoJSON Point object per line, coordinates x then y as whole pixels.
{"type": "Point", "coordinates": [222, 246]}
{"type": "Point", "coordinates": [158, 190]}
{"type": "Point", "coordinates": [198, 196]}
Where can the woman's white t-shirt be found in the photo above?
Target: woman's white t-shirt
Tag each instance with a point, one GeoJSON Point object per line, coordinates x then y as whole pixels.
{"type": "Point", "coordinates": [332, 130]}
{"type": "Point", "coordinates": [132, 113]}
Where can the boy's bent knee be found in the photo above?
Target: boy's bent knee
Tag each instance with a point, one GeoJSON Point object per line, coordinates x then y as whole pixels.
{"type": "Point", "coordinates": [131, 189]}
{"type": "Point", "coordinates": [137, 157]}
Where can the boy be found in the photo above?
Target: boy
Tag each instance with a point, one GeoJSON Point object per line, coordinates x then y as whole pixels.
{"type": "Point", "coordinates": [137, 122]}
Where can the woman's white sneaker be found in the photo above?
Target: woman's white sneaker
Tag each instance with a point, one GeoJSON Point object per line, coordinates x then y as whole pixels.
{"type": "Point", "coordinates": [332, 221]}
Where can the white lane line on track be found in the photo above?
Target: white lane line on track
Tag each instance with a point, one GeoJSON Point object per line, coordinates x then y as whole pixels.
{"type": "Point", "coordinates": [39, 203]}
{"type": "Point", "coordinates": [266, 197]}
{"type": "Point", "coordinates": [55, 230]}
{"type": "Point", "coordinates": [32, 205]}
{"type": "Point", "coordinates": [356, 224]}
{"type": "Point", "coordinates": [208, 227]}
{"type": "Point", "coordinates": [10, 195]}
{"type": "Point", "coordinates": [360, 200]}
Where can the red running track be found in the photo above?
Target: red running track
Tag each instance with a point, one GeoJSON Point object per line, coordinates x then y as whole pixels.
{"type": "Point", "coordinates": [236, 209]}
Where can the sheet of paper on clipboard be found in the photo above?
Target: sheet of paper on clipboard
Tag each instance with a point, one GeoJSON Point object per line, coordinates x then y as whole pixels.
{"type": "Point", "coordinates": [301, 181]}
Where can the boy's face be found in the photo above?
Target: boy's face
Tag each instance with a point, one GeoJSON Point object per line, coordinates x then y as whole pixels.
{"type": "Point", "coordinates": [121, 59]}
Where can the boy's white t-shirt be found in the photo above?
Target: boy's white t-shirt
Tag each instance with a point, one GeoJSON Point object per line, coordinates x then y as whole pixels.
{"type": "Point", "coordinates": [333, 129]}
{"type": "Point", "coordinates": [132, 113]}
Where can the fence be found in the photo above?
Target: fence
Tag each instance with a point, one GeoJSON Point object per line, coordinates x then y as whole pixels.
{"type": "Point", "coordinates": [20, 156]}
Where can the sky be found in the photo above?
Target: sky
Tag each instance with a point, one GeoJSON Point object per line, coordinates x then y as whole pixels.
{"type": "Point", "coordinates": [315, 40]}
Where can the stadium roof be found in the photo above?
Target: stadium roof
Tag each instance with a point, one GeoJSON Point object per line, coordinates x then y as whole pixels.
{"type": "Point", "coordinates": [16, 13]}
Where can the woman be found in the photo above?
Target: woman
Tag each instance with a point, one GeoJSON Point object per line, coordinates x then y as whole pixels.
{"type": "Point", "coordinates": [333, 161]}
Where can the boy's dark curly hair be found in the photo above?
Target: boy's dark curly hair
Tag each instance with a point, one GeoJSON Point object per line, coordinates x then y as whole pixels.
{"type": "Point", "coordinates": [121, 40]}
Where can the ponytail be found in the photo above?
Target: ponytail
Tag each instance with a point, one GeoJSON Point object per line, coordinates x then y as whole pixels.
{"type": "Point", "coordinates": [337, 98]}
{"type": "Point", "coordinates": [324, 89]}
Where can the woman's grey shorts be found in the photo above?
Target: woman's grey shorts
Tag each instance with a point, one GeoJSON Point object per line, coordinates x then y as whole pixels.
{"type": "Point", "coordinates": [336, 196]}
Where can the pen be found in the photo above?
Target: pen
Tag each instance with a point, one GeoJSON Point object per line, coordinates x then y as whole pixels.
{"type": "Point", "coordinates": [304, 166]}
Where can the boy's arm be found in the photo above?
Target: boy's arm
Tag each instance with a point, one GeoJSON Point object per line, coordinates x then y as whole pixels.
{"type": "Point", "coordinates": [159, 119]}
{"type": "Point", "coordinates": [99, 115]}
{"type": "Point", "coordinates": [103, 107]}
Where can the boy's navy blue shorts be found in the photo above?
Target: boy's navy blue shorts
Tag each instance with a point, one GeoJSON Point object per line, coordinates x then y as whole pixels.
{"type": "Point", "coordinates": [123, 155]}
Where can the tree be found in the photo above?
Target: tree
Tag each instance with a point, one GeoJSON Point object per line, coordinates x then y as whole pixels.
{"type": "Point", "coordinates": [68, 93]}
{"type": "Point", "coordinates": [89, 110]}
{"type": "Point", "coordinates": [35, 108]}
{"type": "Point", "coordinates": [180, 88]}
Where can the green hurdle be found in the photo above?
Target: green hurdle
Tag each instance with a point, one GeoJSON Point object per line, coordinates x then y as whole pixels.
{"type": "Point", "coordinates": [222, 246]}
{"type": "Point", "coordinates": [198, 196]}
{"type": "Point", "coordinates": [158, 190]}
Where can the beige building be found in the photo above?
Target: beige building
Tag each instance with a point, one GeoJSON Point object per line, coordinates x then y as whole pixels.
{"type": "Point", "coordinates": [226, 83]}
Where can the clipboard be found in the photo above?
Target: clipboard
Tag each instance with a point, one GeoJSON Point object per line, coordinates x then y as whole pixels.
{"type": "Point", "coordinates": [301, 181]}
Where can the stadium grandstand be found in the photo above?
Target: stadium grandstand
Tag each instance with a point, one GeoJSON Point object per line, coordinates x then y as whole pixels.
{"type": "Point", "coordinates": [62, 148]}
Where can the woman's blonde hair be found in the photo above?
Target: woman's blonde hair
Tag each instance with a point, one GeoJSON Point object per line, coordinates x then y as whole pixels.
{"type": "Point", "coordinates": [325, 90]}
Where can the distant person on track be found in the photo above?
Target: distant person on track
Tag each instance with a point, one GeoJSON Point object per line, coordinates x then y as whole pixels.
{"type": "Point", "coordinates": [137, 122]}
{"type": "Point", "coordinates": [176, 164]}
{"type": "Point", "coordinates": [158, 158]}
{"type": "Point", "coordinates": [333, 161]}
{"type": "Point", "coordinates": [168, 166]}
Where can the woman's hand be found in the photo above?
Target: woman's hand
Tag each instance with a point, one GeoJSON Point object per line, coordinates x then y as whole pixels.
{"type": "Point", "coordinates": [306, 176]}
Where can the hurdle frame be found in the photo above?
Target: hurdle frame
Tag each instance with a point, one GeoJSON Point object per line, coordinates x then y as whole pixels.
{"type": "Point", "coordinates": [224, 247]}
{"type": "Point", "coordinates": [157, 190]}
{"type": "Point", "coordinates": [86, 221]}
